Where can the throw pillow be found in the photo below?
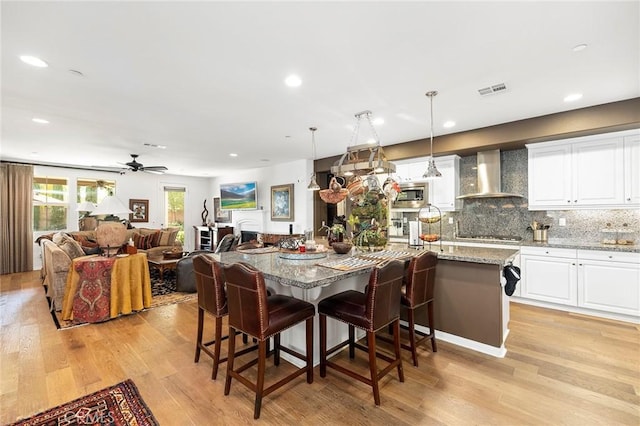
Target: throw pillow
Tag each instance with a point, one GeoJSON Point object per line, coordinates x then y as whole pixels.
{"type": "Point", "coordinates": [84, 241]}
{"type": "Point", "coordinates": [155, 238]}
{"type": "Point", "coordinates": [142, 242]}
{"type": "Point", "coordinates": [71, 247]}
{"type": "Point", "coordinates": [168, 236]}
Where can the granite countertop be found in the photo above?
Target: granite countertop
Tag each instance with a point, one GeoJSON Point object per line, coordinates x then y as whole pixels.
{"type": "Point", "coordinates": [299, 273]}
{"type": "Point", "coordinates": [496, 256]}
{"type": "Point", "coordinates": [558, 243]}
{"type": "Point", "coordinates": [308, 274]}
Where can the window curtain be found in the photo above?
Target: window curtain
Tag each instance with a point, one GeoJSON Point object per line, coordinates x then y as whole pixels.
{"type": "Point", "coordinates": [16, 211]}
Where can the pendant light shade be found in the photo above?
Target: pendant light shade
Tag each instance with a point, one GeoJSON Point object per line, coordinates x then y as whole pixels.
{"type": "Point", "coordinates": [110, 205]}
{"type": "Point", "coordinates": [313, 184]}
{"type": "Point", "coordinates": [432, 171]}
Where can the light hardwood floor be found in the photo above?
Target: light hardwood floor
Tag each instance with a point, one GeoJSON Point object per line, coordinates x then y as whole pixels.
{"type": "Point", "coordinates": [560, 369]}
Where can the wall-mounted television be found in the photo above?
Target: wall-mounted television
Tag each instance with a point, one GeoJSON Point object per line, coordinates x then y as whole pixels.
{"type": "Point", "coordinates": [238, 196]}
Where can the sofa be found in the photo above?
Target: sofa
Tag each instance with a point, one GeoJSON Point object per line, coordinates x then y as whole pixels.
{"type": "Point", "coordinates": [60, 248]}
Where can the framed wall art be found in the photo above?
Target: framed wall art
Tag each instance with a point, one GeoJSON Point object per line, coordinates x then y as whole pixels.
{"type": "Point", "coordinates": [238, 196]}
{"type": "Point", "coordinates": [219, 215]}
{"type": "Point", "coordinates": [282, 207]}
{"type": "Point", "coordinates": [140, 209]}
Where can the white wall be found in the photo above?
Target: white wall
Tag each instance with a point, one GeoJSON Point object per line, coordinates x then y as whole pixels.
{"type": "Point", "coordinates": [138, 185]}
{"type": "Point", "coordinates": [295, 172]}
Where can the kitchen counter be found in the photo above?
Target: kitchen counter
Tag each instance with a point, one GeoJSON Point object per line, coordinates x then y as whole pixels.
{"type": "Point", "coordinates": [553, 242]}
{"type": "Point", "coordinates": [495, 256]}
{"type": "Point", "coordinates": [471, 308]}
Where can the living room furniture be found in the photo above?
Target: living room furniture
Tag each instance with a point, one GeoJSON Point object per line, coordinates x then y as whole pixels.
{"type": "Point", "coordinates": [254, 313]}
{"type": "Point", "coordinates": [212, 299]}
{"type": "Point", "coordinates": [185, 275]}
{"type": "Point", "coordinates": [370, 311]}
{"type": "Point", "coordinates": [57, 259]}
{"type": "Point", "coordinates": [207, 237]}
{"type": "Point", "coordinates": [130, 285]}
{"type": "Point", "coordinates": [162, 264]}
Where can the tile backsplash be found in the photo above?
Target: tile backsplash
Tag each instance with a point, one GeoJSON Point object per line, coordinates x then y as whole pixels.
{"type": "Point", "coordinates": [510, 216]}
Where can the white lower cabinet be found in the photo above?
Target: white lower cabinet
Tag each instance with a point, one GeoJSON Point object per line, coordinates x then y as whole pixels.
{"type": "Point", "coordinates": [609, 281]}
{"type": "Point", "coordinates": [549, 275]}
{"type": "Point", "coordinates": [591, 280]}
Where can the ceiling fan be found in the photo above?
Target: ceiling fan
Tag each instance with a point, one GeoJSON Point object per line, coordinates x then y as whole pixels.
{"type": "Point", "coordinates": [134, 166]}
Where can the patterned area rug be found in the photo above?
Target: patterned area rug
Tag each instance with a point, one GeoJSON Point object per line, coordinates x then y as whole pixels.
{"type": "Point", "coordinates": [163, 293]}
{"type": "Point", "coordinates": [118, 405]}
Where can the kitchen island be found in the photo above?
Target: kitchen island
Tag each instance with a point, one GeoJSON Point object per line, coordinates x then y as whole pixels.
{"type": "Point", "coordinates": [470, 305]}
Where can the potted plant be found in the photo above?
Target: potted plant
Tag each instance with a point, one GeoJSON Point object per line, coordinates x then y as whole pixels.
{"type": "Point", "coordinates": [336, 233]}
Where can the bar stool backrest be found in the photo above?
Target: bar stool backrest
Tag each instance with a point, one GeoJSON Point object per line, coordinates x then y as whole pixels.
{"type": "Point", "coordinates": [421, 277]}
{"type": "Point", "coordinates": [247, 298]}
{"type": "Point", "coordinates": [383, 294]}
{"type": "Point", "coordinates": [210, 285]}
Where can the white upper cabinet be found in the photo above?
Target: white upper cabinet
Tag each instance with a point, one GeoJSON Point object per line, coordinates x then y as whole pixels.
{"type": "Point", "coordinates": [588, 172]}
{"type": "Point", "coordinates": [597, 172]}
{"type": "Point", "coordinates": [443, 191]}
{"type": "Point", "coordinates": [632, 169]}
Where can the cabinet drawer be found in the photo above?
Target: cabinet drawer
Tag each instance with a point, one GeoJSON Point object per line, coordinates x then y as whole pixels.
{"type": "Point", "coordinates": [549, 251]}
{"type": "Point", "coordinates": [609, 256]}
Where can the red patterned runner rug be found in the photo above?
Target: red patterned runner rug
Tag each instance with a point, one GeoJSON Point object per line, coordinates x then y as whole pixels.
{"type": "Point", "coordinates": [118, 405]}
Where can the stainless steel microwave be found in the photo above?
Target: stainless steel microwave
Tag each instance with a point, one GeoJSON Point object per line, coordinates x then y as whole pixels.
{"type": "Point", "coordinates": [412, 195]}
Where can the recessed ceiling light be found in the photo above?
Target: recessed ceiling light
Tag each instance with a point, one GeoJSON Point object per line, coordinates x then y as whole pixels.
{"type": "Point", "coordinates": [153, 145]}
{"type": "Point", "coordinates": [448, 124]}
{"type": "Point", "coordinates": [573, 97]}
{"type": "Point", "coordinates": [40, 120]}
{"type": "Point", "coordinates": [233, 154]}
{"type": "Point", "coordinates": [32, 60]}
{"type": "Point", "coordinates": [371, 141]}
{"type": "Point", "coordinates": [293, 81]}
{"type": "Point", "coordinates": [579, 47]}
{"type": "Point", "coordinates": [378, 121]}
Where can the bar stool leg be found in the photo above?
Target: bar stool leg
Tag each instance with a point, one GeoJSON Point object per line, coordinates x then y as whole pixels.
{"type": "Point", "coordinates": [431, 328]}
{"type": "Point", "coordinates": [230, 359]}
{"type": "Point", "coordinates": [199, 336]}
{"type": "Point", "coordinates": [352, 340]}
{"type": "Point", "coordinates": [216, 348]}
{"type": "Point", "coordinates": [373, 367]}
{"type": "Point", "coordinates": [262, 357]}
{"type": "Point", "coordinates": [412, 335]}
{"type": "Point", "coordinates": [310, 350]}
{"type": "Point", "coordinates": [323, 345]}
{"type": "Point", "coordinates": [276, 349]}
{"type": "Point", "coordinates": [396, 345]}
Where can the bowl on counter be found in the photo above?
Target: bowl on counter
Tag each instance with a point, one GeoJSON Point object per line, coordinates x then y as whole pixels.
{"type": "Point", "coordinates": [341, 247]}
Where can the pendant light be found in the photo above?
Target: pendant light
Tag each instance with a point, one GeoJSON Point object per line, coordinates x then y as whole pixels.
{"type": "Point", "coordinates": [313, 184]}
{"type": "Point", "coordinates": [432, 171]}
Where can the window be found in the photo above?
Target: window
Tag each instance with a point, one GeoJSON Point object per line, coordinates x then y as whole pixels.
{"type": "Point", "coordinates": [50, 203]}
{"type": "Point", "coordinates": [174, 210]}
{"type": "Point", "coordinates": [93, 190]}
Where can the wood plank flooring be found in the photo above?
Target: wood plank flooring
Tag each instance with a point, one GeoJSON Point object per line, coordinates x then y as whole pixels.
{"type": "Point", "coordinates": [560, 368]}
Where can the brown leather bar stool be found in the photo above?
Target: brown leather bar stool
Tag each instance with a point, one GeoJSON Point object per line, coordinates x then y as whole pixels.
{"type": "Point", "coordinates": [378, 307]}
{"type": "Point", "coordinates": [212, 299]}
{"type": "Point", "coordinates": [253, 312]}
{"type": "Point", "coordinates": [417, 291]}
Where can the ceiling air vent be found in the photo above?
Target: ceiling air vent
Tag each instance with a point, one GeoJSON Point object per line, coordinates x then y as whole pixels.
{"type": "Point", "coordinates": [490, 90]}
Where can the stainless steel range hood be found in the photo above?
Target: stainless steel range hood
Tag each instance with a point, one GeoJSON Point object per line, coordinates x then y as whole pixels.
{"type": "Point", "coordinates": [489, 184]}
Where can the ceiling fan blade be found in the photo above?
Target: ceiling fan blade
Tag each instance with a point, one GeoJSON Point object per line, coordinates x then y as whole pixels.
{"type": "Point", "coordinates": [157, 170]}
